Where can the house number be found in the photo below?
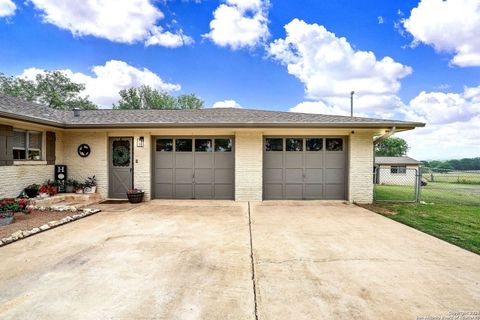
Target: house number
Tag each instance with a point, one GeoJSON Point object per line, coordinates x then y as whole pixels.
{"type": "Point", "coordinates": [83, 150]}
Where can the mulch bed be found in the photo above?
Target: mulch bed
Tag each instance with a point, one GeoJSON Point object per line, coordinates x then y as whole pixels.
{"type": "Point", "coordinates": [33, 220]}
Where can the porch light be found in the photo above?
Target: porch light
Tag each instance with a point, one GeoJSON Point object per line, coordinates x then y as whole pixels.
{"type": "Point", "coordinates": [140, 142]}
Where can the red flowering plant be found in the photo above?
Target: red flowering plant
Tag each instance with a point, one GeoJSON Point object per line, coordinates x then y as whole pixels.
{"type": "Point", "coordinates": [134, 191]}
{"type": "Point", "coordinates": [9, 206]}
{"type": "Point", "coordinates": [49, 187]}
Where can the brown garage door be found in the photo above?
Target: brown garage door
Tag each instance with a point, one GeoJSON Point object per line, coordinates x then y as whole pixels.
{"type": "Point", "coordinates": [194, 168]}
{"type": "Point", "coordinates": [304, 168]}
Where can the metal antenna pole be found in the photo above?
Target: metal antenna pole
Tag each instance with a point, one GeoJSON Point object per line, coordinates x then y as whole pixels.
{"type": "Point", "coordinates": [351, 103]}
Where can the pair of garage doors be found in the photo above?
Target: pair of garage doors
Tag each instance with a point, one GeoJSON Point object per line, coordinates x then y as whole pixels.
{"type": "Point", "coordinates": [304, 168]}
{"type": "Point", "coordinates": [294, 168]}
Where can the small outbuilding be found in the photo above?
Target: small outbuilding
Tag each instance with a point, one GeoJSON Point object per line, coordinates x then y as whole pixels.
{"type": "Point", "coordinates": [396, 170]}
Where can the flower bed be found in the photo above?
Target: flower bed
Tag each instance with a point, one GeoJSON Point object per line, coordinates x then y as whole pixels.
{"type": "Point", "coordinates": [40, 220]}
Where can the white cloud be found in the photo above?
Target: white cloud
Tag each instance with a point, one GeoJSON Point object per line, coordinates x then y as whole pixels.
{"type": "Point", "coordinates": [240, 23]}
{"type": "Point", "coordinates": [381, 20]}
{"type": "Point", "coordinates": [450, 26]}
{"type": "Point", "coordinates": [7, 8]}
{"type": "Point", "coordinates": [330, 68]}
{"type": "Point", "coordinates": [318, 107]}
{"type": "Point", "coordinates": [227, 104]}
{"type": "Point", "coordinates": [109, 79]}
{"type": "Point", "coordinates": [125, 21]}
{"type": "Point", "coordinates": [453, 124]}
{"type": "Point", "coordinates": [168, 39]}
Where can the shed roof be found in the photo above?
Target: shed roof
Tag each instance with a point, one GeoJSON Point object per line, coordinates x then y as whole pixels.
{"type": "Point", "coordinates": [396, 160]}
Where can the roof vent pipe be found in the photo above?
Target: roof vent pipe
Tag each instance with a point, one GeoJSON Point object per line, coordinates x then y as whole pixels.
{"type": "Point", "coordinates": [76, 112]}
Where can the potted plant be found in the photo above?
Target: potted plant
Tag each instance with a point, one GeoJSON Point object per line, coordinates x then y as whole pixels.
{"type": "Point", "coordinates": [32, 190]}
{"type": "Point", "coordinates": [71, 185]}
{"type": "Point", "coordinates": [90, 185]}
{"type": "Point", "coordinates": [9, 206]}
{"type": "Point", "coordinates": [135, 195]}
{"type": "Point", "coordinates": [79, 188]}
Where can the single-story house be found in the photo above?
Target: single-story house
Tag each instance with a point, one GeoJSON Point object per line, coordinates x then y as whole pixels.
{"type": "Point", "coordinates": [396, 170]}
{"type": "Point", "coordinates": [225, 153]}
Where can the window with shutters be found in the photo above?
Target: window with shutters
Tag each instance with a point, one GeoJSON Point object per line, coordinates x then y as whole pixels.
{"type": "Point", "coordinates": [27, 145]}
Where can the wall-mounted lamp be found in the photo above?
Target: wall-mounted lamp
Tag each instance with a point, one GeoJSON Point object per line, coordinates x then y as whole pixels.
{"type": "Point", "coordinates": [140, 142]}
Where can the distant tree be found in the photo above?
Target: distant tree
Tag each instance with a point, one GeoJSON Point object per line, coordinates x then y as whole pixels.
{"type": "Point", "coordinates": [391, 147]}
{"type": "Point", "coordinates": [146, 97]}
{"type": "Point", "coordinates": [52, 88]}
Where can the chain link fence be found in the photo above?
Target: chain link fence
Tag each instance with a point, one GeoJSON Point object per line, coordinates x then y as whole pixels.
{"type": "Point", "coordinates": [403, 184]}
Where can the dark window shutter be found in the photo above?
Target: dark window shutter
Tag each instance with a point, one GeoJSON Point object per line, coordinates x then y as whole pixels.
{"type": "Point", "coordinates": [50, 151]}
{"type": "Point", "coordinates": [6, 145]}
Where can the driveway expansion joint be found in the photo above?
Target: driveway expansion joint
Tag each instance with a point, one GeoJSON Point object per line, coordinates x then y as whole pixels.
{"type": "Point", "coordinates": [253, 263]}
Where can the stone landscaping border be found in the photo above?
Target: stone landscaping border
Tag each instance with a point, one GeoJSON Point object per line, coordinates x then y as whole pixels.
{"type": "Point", "coordinates": [20, 234]}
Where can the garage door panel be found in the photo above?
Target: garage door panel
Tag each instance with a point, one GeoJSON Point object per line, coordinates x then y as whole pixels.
{"type": "Point", "coordinates": [335, 160]}
{"type": "Point", "coordinates": [273, 191]}
{"type": "Point", "coordinates": [334, 175]}
{"type": "Point", "coordinates": [224, 160]}
{"type": "Point", "coordinates": [223, 191]}
{"type": "Point", "coordinates": [164, 190]}
{"type": "Point", "coordinates": [294, 191]}
{"type": "Point", "coordinates": [314, 159]}
{"type": "Point", "coordinates": [184, 191]}
{"type": "Point", "coordinates": [313, 175]}
{"type": "Point", "coordinates": [203, 160]}
{"type": "Point", "coordinates": [183, 160]}
{"type": "Point", "coordinates": [273, 175]}
{"type": "Point", "coordinates": [293, 175]}
{"type": "Point", "coordinates": [313, 191]}
{"type": "Point", "coordinates": [164, 175]}
{"type": "Point", "coordinates": [293, 160]}
{"type": "Point", "coordinates": [164, 159]}
{"type": "Point", "coordinates": [225, 176]}
{"type": "Point", "coordinates": [203, 191]}
{"type": "Point", "coordinates": [203, 175]}
{"type": "Point", "coordinates": [184, 176]}
{"type": "Point", "coordinates": [273, 159]}
{"type": "Point", "coordinates": [335, 191]}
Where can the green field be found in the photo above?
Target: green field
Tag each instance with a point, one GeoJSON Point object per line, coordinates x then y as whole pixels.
{"type": "Point", "coordinates": [460, 177]}
{"type": "Point", "coordinates": [451, 212]}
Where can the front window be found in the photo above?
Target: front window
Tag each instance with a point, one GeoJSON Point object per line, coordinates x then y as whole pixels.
{"type": "Point", "coordinates": [27, 145]}
{"type": "Point", "coordinates": [398, 169]}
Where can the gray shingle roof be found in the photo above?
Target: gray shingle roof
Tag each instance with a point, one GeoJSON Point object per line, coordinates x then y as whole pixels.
{"type": "Point", "coordinates": [396, 160]}
{"type": "Point", "coordinates": [222, 117]}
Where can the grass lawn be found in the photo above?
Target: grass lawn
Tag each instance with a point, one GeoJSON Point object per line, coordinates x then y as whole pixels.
{"type": "Point", "coordinates": [452, 212]}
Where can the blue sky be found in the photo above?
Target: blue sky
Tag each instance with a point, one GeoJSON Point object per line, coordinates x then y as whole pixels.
{"type": "Point", "coordinates": [238, 53]}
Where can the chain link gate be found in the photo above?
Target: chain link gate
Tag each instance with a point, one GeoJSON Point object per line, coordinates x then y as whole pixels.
{"type": "Point", "coordinates": [397, 184]}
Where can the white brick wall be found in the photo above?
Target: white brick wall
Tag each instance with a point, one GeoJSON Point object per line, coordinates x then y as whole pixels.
{"type": "Point", "coordinates": [142, 165]}
{"type": "Point", "coordinates": [360, 171]}
{"type": "Point", "coordinates": [13, 179]}
{"type": "Point", "coordinates": [248, 166]}
{"type": "Point", "coordinates": [95, 164]}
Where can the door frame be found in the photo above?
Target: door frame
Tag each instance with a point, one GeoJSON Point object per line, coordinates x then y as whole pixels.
{"type": "Point", "coordinates": [193, 137]}
{"type": "Point", "coordinates": [109, 154]}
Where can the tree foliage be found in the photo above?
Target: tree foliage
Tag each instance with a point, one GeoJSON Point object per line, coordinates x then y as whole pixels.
{"type": "Point", "coordinates": [146, 97]}
{"type": "Point", "coordinates": [455, 164]}
{"type": "Point", "coordinates": [391, 147]}
{"type": "Point", "coordinates": [52, 88]}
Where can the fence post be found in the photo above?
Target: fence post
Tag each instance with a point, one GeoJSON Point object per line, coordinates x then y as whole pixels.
{"type": "Point", "coordinates": [419, 186]}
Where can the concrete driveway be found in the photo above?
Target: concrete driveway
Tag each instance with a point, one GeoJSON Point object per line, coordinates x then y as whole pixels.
{"type": "Point", "coordinates": [192, 260]}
